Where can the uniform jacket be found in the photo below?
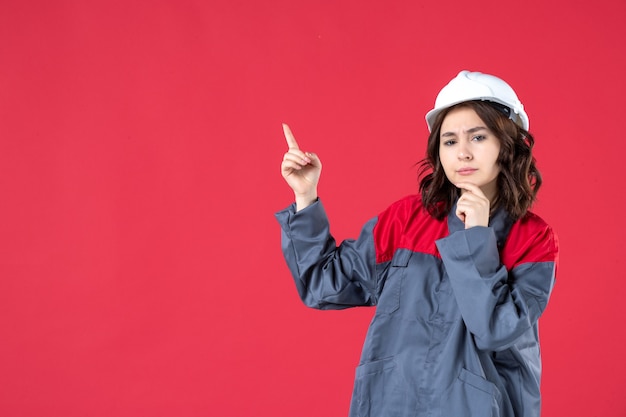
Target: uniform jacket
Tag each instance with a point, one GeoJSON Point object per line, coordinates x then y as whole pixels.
{"type": "Point", "coordinates": [455, 329]}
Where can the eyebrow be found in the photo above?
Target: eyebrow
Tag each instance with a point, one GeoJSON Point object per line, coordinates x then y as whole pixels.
{"type": "Point", "coordinates": [470, 131]}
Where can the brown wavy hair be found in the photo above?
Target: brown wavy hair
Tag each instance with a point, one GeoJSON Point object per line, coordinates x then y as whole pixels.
{"type": "Point", "coordinates": [518, 181]}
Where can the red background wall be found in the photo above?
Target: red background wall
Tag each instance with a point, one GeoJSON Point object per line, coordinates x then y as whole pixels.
{"type": "Point", "coordinates": [140, 144]}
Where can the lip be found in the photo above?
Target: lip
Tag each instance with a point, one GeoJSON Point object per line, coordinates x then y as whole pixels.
{"type": "Point", "coordinates": [466, 171]}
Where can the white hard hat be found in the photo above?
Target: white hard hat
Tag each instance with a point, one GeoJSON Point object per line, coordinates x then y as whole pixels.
{"type": "Point", "coordinates": [469, 86]}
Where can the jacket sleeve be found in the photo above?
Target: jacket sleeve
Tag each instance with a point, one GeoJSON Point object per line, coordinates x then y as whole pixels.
{"type": "Point", "coordinates": [498, 304]}
{"type": "Point", "coordinates": [327, 276]}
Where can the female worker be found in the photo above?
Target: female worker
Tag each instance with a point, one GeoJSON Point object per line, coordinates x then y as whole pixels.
{"type": "Point", "coordinates": [459, 274]}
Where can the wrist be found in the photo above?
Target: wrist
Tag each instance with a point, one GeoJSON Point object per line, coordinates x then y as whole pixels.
{"type": "Point", "coordinates": [305, 200]}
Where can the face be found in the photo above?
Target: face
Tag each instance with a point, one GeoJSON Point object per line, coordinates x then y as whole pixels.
{"type": "Point", "coordinates": [468, 151]}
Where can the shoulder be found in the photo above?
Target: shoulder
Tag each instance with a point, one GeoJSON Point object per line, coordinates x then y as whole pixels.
{"type": "Point", "coordinates": [400, 214]}
{"type": "Point", "coordinates": [531, 239]}
{"type": "Point", "coordinates": [391, 224]}
{"type": "Point", "coordinates": [531, 225]}
{"type": "Point", "coordinates": [406, 224]}
{"type": "Point", "coordinates": [404, 207]}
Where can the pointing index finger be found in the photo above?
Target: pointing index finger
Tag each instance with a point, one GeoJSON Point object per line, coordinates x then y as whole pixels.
{"type": "Point", "coordinates": [291, 140]}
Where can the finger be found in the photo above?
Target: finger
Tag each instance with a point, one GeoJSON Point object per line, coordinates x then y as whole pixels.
{"type": "Point", "coordinates": [468, 186]}
{"type": "Point", "coordinates": [290, 166]}
{"type": "Point", "coordinates": [472, 188]}
{"type": "Point", "coordinates": [469, 198]}
{"type": "Point", "coordinates": [460, 214]}
{"type": "Point", "coordinates": [297, 156]}
{"type": "Point", "coordinates": [291, 140]}
{"type": "Point", "coordinates": [313, 159]}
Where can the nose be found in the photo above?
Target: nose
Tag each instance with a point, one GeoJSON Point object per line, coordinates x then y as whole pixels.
{"type": "Point", "coordinates": [464, 152]}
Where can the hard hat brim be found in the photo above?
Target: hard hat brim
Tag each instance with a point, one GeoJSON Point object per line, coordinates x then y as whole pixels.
{"type": "Point", "coordinates": [521, 119]}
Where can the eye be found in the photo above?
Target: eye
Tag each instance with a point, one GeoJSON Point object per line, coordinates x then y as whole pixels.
{"type": "Point", "coordinates": [448, 142]}
{"type": "Point", "coordinates": [479, 138]}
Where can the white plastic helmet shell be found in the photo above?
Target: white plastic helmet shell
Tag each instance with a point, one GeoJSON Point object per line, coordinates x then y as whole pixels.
{"type": "Point", "coordinates": [469, 86]}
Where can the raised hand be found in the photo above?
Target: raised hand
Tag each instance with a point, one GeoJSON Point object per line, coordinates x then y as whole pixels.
{"type": "Point", "coordinates": [301, 170]}
{"type": "Point", "coordinates": [473, 206]}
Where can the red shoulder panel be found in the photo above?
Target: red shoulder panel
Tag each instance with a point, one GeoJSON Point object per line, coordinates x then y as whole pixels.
{"type": "Point", "coordinates": [407, 225]}
{"type": "Point", "coordinates": [530, 240]}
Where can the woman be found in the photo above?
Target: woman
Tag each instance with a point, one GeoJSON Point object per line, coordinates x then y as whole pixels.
{"type": "Point", "coordinates": [460, 273]}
